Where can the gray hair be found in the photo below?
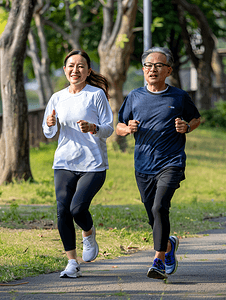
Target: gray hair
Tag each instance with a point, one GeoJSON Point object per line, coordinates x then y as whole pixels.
{"type": "Point", "coordinates": [165, 51]}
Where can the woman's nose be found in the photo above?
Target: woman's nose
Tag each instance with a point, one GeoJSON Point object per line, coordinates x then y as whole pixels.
{"type": "Point", "coordinates": [75, 69]}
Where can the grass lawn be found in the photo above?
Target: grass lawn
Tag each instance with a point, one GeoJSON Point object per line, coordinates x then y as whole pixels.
{"type": "Point", "coordinates": [30, 243]}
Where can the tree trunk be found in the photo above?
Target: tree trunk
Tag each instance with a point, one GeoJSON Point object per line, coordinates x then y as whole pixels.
{"type": "Point", "coordinates": [205, 89]}
{"type": "Point", "coordinates": [47, 84]}
{"type": "Point", "coordinates": [32, 52]}
{"type": "Point", "coordinates": [218, 69]}
{"type": "Point", "coordinates": [174, 45]}
{"type": "Point", "coordinates": [202, 61]}
{"type": "Point", "coordinates": [40, 66]}
{"type": "Point", "coordinates": [14, 140]}
{"type": "Point", "coordinates": [114, 49]}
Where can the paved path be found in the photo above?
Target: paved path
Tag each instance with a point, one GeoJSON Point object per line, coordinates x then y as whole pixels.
{"type": "Point", "coordinates": [201, 275]}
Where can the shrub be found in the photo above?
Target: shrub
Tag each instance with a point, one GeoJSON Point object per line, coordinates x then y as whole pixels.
{"type": "Point", "coordinates": [215, 117]}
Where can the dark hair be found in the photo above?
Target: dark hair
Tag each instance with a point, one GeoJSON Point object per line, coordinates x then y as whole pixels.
{"type": "Point", "coordinates": [94, 79]}
{"type": "Point", "coordinates": [165, 51]}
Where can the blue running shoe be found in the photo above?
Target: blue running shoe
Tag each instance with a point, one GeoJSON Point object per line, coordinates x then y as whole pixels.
{"type": "Point", "coordinates": [157, 271]}
{"type": "Point", "coordinates": [170, 257]}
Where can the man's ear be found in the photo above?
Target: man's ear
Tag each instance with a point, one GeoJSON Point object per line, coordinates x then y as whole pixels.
{"type": "Point", "coordinates": [170, 70]}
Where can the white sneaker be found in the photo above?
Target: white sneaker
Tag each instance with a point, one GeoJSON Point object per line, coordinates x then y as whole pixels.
{"type": "Point", "coordinates": [72, 270]}
{"type": "Point", "coordinates": [90, 247]}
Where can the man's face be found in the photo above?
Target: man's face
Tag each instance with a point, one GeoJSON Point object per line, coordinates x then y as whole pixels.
{"type": "Point", "coordinates": [156, 75]}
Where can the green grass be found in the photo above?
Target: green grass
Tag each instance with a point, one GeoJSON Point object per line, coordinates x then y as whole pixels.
{"type": "Point", "coordinates": [30, 243]}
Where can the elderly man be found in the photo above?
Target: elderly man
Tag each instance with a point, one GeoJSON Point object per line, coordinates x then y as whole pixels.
{"type": "Point", "coordinates": [159, 115]}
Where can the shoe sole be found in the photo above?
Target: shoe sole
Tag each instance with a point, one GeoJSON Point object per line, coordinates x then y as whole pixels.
{"type": "Point", "coordinates": [175, 250]}
{"type": "Point", "coordinates": [70, 276]}
{"type": "Point", "coordinates": [155, 274]}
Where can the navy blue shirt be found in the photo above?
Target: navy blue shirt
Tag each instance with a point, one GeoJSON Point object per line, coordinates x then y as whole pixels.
{"type": "Point", "coordinates": [158, 145]}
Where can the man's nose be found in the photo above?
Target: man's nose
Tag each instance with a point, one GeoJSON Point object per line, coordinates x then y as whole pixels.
{"type": "Point", "coordinates": [153, 67]}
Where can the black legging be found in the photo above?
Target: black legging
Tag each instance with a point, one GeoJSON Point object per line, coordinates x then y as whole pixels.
{"type": "Point", "coordinates": [74, 193]}
{"type": "Point", "coordinates": [156, 194]}
{"type": "Point", "coordinates": [158, 214]}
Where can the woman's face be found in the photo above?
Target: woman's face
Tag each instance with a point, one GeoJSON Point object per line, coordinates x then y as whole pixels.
{"type": "Point", "coordinates": [76, 70]}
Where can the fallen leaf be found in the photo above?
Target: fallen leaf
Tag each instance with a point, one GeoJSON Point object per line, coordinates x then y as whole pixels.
{"type": "Point", "coordinates": [122, 248]}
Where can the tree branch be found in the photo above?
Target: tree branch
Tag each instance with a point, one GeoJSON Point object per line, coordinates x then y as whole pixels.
{"type": "Point", "coordinates": [104, 4]}
{"type": "Point", "coordinates": [137, 29]}
{"type": "Point", "coordinates": [108, 11]}
{"type": "Point", "coordinates": [57, 29]}
{"type": "Point", "coordinates": [117, 23]}
{"type": "Point", "coordinates": [186, 36]}
{"type": "Point", "coordinates": [195, 11]}
{"type": "Point", "coordinates": [42, 6]}
{"type": "Point", "coordinates": [68, 15]}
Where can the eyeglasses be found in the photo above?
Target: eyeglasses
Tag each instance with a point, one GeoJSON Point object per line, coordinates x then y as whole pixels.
{"type": "Point", "coordinates": [158, 66]}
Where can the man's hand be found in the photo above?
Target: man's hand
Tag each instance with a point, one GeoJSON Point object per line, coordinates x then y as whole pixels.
{"type": "Point", "coordinates": [123, 130]}
{"type": "Point", "coordinates": [51, 119]}
{"type": "Point", "coordinates": [133, 126]}
{"type": "Point", "coordinates": [181, 125]}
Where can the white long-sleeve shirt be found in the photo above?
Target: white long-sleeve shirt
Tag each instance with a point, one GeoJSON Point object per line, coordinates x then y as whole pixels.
{"type": "Point", "coordinates": [77, 151]}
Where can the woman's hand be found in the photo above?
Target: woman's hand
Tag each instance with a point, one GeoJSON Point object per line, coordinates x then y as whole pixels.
{"type": "Point", "coordinates": [51, 119]}
{"type": "Point", "coordinates": [86, 126]}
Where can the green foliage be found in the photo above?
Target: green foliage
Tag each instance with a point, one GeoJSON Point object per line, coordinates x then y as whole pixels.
{"type": "Point", "coordinates": [3, 19]}
{"type": "Point", "coordinates": [215, 117]}
{"type": "Point", "coordinates": [121, 40]}
{"type": "Point", "coordinates": [157, 22]}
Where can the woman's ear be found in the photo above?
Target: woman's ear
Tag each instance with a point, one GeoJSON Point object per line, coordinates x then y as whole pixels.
{"type": "Point", "coordinates": [89, 72]}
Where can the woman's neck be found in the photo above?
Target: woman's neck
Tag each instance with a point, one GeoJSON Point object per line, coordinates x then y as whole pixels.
{"type": "Point", "coordinates": [74, 89]}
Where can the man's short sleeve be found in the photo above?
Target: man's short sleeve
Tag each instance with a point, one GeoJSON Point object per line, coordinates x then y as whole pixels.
{"type": "Point", "coordinates": [125, 112]}
{"type": "Point", "coordinates": [190, 111]}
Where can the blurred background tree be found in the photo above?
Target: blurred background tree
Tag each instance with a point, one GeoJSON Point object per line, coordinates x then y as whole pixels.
{"type": "Point", "coordinates": [14, 139]}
